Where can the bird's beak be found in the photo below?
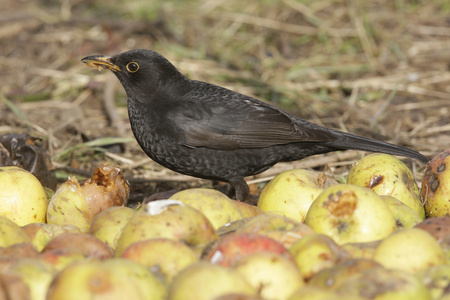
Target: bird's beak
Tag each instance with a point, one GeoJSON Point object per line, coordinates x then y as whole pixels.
{"type": "Point", "coordinates": [100, 62]}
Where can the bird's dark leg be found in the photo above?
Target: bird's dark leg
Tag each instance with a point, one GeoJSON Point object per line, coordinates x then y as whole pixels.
{"type": "Point", "coordinates": [240, 188]}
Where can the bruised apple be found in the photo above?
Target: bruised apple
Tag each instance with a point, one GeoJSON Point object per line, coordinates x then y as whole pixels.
{"type": "Point", "coordinates": [22, 197]}
{"type": "Point", "coordinates": [292, 192]}
{"type": "Point", "coordinates": [350, 213]}
{"type": "Point", "coordinates": [387, 175]}
{"type": "Point", "coordinates": [436, 185]}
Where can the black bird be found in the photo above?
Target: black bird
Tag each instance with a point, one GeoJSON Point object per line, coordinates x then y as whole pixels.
{"type": "Point", "coordinates": [207, 131]}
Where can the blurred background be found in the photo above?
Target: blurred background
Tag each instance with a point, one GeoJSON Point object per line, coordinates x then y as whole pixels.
{"type": "Point", "coordinates": [375, 68]}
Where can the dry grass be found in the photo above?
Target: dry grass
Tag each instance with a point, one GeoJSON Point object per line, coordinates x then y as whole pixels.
{"type": "Point", "coordinates": [374, 68]}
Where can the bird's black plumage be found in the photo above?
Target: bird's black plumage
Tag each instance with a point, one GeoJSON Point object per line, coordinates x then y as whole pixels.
{"type": "Point", "coordinates": [207, 131]}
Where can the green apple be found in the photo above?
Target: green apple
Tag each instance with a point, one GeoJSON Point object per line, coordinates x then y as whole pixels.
{"type": "Point", "coordinates": [387, 175]}
{"type": "Point", "coordinates": [350, 213]}
{"type": "Point", "coordinates": [291, 193]}
{"type": "Point", "coordinates": [11, 233]}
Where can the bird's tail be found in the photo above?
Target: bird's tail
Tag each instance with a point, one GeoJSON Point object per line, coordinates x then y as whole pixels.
{"type": "Point", "coordinates": [349, 141]}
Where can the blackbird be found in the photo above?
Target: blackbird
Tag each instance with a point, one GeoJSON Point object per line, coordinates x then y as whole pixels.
{"type": "Point", "coordinates": [207, 131]}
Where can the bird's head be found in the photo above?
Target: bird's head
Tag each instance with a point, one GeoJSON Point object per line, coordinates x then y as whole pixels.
{"type": "Point", "coordinates": [139, 71]}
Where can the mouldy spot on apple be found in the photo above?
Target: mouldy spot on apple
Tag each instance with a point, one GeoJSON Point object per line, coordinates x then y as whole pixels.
{"type": "Point", "coordinates": [436, 186]}
{"type": "Point", "coordinates": [374, 181]}
{"type": "Point", "coordinates": [342, 203]}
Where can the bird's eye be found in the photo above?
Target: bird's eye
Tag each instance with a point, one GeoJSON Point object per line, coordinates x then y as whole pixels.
{"type": "Point", "coordinates": [132, 67]}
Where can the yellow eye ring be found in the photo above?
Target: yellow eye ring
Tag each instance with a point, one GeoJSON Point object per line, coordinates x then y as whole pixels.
{"type": "Point", "coordinates": [132, 67]}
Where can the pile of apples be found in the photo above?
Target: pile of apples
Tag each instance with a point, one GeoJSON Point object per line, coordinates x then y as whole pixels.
{"type": "Point", "coordinates": [377, 236]}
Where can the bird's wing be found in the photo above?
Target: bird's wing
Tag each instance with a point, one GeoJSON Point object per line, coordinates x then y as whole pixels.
{"type": "Point", "coordinates": [228, 123]}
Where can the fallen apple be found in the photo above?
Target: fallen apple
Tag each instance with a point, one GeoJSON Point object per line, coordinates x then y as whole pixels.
{"type": "Point", "coordinates": [271, 274]}
{"type": "Point", "coordinates": [233, 247]}
{"type": "Point", "coordinates": [405, 216]}
{"type": "Point", "coordinates": [108, 224]}
{"type": "Point", "coordinates": [439, 227]}
{"type": "Point", "coordinates": [77, 204]}
{"type": "Point", "coordinates": [216, 206]}
{"type": "Point", "coordinates": [205, 281]}
{"type": "Point", "coordinates": [314, 253]}
{"type": "Point", "coordinates": [291, 193]}
{"type": "Point", "coordinates": [410, 250]}
{"type": "Point", "coordinates": [22, 197]}
{"type": "Point", "coordinates": [108, 279]}
{"type": "Point", "coordinates": [350, 213]}
{"type": "Point", "coordinates": [247, 210]}
{"type": "Point", "coordinates": [282, 229]}
{"type": "Point", "coordinates": [436, 279]}
{"type": "Point", "coordinates": [436, 185]}
{"type": "Point", "coordinates": [41, 233]}
{"type": "Point", "coordinates": [168, 219]}
{"type": "Point", "coordinates": [11, 233]}
{"type": "Point", "coordinates": [387, 175]}
{"type": "Point", "coordinates": [166, 256]}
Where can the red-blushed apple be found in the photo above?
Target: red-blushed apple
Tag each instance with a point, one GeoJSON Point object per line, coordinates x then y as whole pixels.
{"type": "Point", "coordinates": [216, 206]}
{"type": "Point", "coordinates": [165, 255]}
{"type": "Point", "coordinates": [350, 213]}
{"type": "Point", "coordinates": [108, 224]}
{"type": "Point", "coordinates": [86, 244]}
{"type": "Point", "coordinates": [315, 252]}
{"type": "Point", "coordinates": [291, 193]}
{"type": "Point", "coordinates": [61, 258]}
{"type": "Point", "coordinates": [107, 279]}
{"type": "Point", "coordinates": [383, 284]}
{"type": "Point", "coordinates": [77, 204]}
{"type": "Point", "coordinates": [205, 281]}
{"type": "Point", "coordinates": [11, 233]}
{"type": "Point", "coordinates": [405, 216]}
{"type": "Point", "coordinates": [168, 219]}
{"type": "Point", "coordinates": [41, 233]}
{"type": "Point", "coordinates": [22, 197]}
{"type": "Point", "coordinates": [36, 273]}
{"type": "Point", "coordinates": [271, 274]}
{"type": "Point", "coordinates": [436, 185]}
{"type": "Point", "coordinates": [410, 250]}
{"type": "Point", "coordinates": [387, 175]}
{"type": "Point", "coordinates": [282, 229]}
{"type": "Point", "coordinates": [233, 247]}
{"type": "Point", "coordinates": [247, 210]}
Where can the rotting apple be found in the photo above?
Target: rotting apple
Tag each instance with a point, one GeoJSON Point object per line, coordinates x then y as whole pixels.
{"type": "Point", "coordinates": [350, 213]}
{"type": "Point", "coordinates": [387, 175]}
{"type": "Point", "coordinates": [41, 233]}
{"type": "Point", "coordinates": [405, 216]}
{"type": "Point", "coordinates": [436, 185]}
